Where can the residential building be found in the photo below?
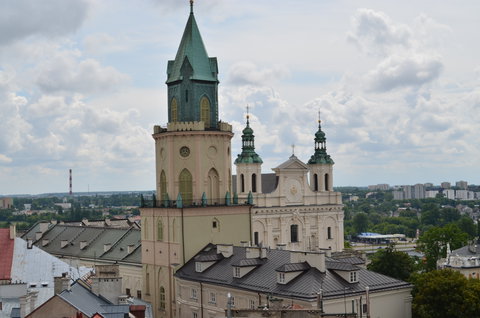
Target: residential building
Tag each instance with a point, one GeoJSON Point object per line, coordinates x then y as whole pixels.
{"type": "Point", "coordinates": [462, 185]}
{"type": "Point", "coordinates": [418, 191]}
{"type": "Point", "coordinates": [431, 193]}
{"type": "Point", "coordinates": [99, 242]}
{"type": "Point", "coordinates": [449, 193]}
{"type": "Point", "coordinates": [266, 278]}
{"type": "Point", "coordinates": [465, 260]}
{"type": "Point", "coordinates": [6, 203]}
{"type": "Point", "coordinates": [445, 185]}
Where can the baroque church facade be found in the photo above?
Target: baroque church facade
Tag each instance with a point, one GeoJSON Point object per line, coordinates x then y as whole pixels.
{"type": "Point", "coordinates": [198, 202]}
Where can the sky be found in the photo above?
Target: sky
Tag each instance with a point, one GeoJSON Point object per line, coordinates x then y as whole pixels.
{"type": "Point", "coordinates": [82, 83]}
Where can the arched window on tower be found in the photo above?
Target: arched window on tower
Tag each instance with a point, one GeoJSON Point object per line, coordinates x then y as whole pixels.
{"type": "Point", "coordinates": [329, 233]}
{"type": "Point", "coordinates": [185, 186]}
{"type": "Point", "coordinates": [205, 111]}
{"type": "Point", "coordinates": [163, 186]}
{"type": "Point", "coordinates": [213, 191]}
{"type": "Point", "coordinates": [254, 182]}
{"type": "Point", "coordinates": [315, 182]}
{"type": "Point", "coordinates": [327, 186]}
{"type": "Point", "coordinates": [159, 230]}
{"type": "Point", "coordinates": [173, 110]}
{"type": "Point", "coordinates": [294, 233]}
{"type": "Point", "coordinates": [242, 183]}
{"type": "Point", "coordinates": [161, 303]}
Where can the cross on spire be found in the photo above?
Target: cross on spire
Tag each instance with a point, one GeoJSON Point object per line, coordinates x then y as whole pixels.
{"type": "Point", "coordinates": [191, 6]}
{"type": "Point", "coordinates": [319, 121]}
{"type": "Point", "coordinates": [293, 149]}
{"type": "Point", "coordinates": [248, 112]}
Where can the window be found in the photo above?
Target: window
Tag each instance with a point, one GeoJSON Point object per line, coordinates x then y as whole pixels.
{"type": "Point", "coordinates": [329, 233]}
{"type": "Point", "coordinates": [198, 267]}
{"type": "Point", "coordinates": [315, 182]}
{"type": "Point", "coordinates": [186, 95]}
{"type": "Point", "coordinates": [252, 304]}
{"type": "Point", "coordinates": [327, 186]}
{"type": "Point", "coordinates": [162, 298]}
{"type": "Point", "coordinates": [139, 294]}
{"type": "Point", "coordinates": [254, 182]}
{"type": "Point", "coordinates": [195, 315]}
{"type": "Point", "coordinates": [232, 299]}
{"type": "Point", "coordinates": [159, 230]}
{"type": "Point", "coordinates": [193, 293]}
{"type": "Point", "coordinates": [205, 111]}
{"type": "Point", "coordinates": [255, 238]}
{"type": "Point", "coordinates": [353, 277]}
{"type": "Point", "coordinates": [236, 272]}
{"type": "Point", "coordinates": [294, 233]}
{"type": "Point", "coordinates": [281, 278]}
{"type": "Point", "coordinates": [173, 110]}
{"type": "Point", "coordinates": [214, 224]}
{"type": "Point", "coordinates": [242, 183]}
{"type": "Point", "coordinates": [186, 188]}
{"type": "Point", "coordinates": [147, 283]}
{"type": "Point", "coordinates": [127, 291]}
{"type": "Point", "coordinates": [213, 298]}
{"type": "Point", "coordinates": [163, 186]}
{"type": "Point", "coordinates": [364, 308]}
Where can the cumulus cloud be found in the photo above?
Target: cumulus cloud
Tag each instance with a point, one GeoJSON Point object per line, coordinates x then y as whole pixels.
{"type": "Point", "coordinates": [402, 71]}
{"type": "Point", "coordinates": [68, 73]}
{"type": "Point", "coordinates": [247, 73]}
{"type": "Point", "coordinates": [20, 19]}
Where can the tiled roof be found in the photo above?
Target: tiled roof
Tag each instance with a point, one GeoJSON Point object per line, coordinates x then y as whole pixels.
{"type": "Point", "coordinates": [6, 254]}
{"type": "Point", "coordinates": [340, 266]}
{"type": "Point", "coordinates": [293, 267]}
{"type": "Point", "coordinates": [263, 278]}
{"type": "Point", "coordinates": [467, 251]}
{"type": "Point", "coordinates": [269, 182]}
{"type": "Point", "coordinates": [66, 240]}
{"type": "Point", "coordinates": [249, 262]}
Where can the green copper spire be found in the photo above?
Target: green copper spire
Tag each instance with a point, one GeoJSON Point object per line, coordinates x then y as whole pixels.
{"type": "Point", "coordinates": [320, 156]}
{"type": "Point", "coordinates": [248, 154]}
{"type": "Point", "coordinates": [193, 50]}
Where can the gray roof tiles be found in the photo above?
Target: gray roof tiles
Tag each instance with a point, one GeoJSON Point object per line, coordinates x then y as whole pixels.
{"type": "Point", "coordinates": [305, 286]}
{"type": "Point", "coordinates": [293, 267]}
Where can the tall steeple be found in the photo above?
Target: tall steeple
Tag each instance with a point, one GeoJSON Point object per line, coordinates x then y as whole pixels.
{"type": "Point", "coordinates": [320, 156]}
{"type": "Point", "coordinates": [248, 154]}
{"type": "Point", "coordinates": [192, 80]}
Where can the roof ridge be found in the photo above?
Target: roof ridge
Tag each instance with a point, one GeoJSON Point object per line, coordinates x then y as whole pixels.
{"type": "Point", "coordinates": [117, 242]}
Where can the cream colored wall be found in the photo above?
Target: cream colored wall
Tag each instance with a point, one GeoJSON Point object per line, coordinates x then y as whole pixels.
{"type": "Point", "coordinates": [248, 170]}
{"type": "Point", "coordinates": [208, 149]}
{"type": "Point", "coordinates": [387, 303]}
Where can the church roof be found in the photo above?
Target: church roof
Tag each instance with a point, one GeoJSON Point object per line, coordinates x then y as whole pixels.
{"type": "Point", "coordinates": [292, 163]}
{"type": "Point", "coordinates": [193, 50]}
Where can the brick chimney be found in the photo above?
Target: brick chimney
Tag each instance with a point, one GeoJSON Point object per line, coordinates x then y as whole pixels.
{"type": "Point", "coordinates": [138, 310]}
{"type": "Point", "coordinates": [61, 283]}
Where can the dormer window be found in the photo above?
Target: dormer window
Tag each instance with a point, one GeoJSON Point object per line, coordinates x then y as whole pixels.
{"type": "Point", "coordinates": [236, 272]}
{"type": "Point", "coordinates": [198, 267]}
{"type": "Point", "coordinates": [281, 278]}
{"type": "Point", "coordinates": [353, 277]}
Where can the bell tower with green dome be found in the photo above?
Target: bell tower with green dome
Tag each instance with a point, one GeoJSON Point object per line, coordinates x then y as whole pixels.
{"type": "Point", "coordinates": [321, 164]}
{"type": "Point", "coordinates": [249, 163]}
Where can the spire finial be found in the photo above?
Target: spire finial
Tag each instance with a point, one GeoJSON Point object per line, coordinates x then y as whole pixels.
{"type": "Point", "coordinates": [191, 6]}
{"type": "Point", "coordinates": [248, 113]}
{"type": "Point", "coordinates": [319, 120]}
{"type": "Point", "coordinates": [293, 149]}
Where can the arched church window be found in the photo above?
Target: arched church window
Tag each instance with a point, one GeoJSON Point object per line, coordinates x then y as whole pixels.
{"type": "Point", "coordinates": [294, 233]}
{"type": "Point", "coordinates": [327, 186]}
{"type": "Point", "coordinates": [173, 110]}
{"type": "Point", "coordinates": [163, 185]}
{"type": "Point", "coordinates": [315, 182]}
{"type": "Point", "coordinates": [186, 188]}
{"type": "Point", "coordinates": [159, 230]}
{"type": "Point", "coordinates": [254, 182]}
{"type": "Point", "coordinates": [329, 233]}
{"type": "Point", "coordinates": [213, 185]}
{"type": "Point", "coordinates": [205, 111]}
{"type": "Point", "coordinates": [242, 183]}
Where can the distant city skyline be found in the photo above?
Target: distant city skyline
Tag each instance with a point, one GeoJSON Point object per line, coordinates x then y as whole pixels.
{"type": "Point", "coordinates": [83, 83]}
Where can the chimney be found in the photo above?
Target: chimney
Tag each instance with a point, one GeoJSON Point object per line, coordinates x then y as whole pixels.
{"type": "Point", "coordinates": [263, 252]}
{"type": "Point", "coordinates": [45, 242]}
{"type": "Point", "coordinates": [63, 243]}
{"type": "Point", "coordinates": [29, 243]}
{"type": "Point", "coordinates": [38, 235]}
{"type": "Point", "coordinates": [130, 248]}
{"type": "Point", "coordinates": [138, 310]}
{"type": "Point", "coordinates": [225, 249]}
{"type": "Point", "coordinates": [106, 247]}
{"type": "Point", "coordinates": [314, 259]}
{"type": "Point", "coordinates": [61, 283]}
{"type": "Point", "coordinates": [123, 299]}
{"type": "Point", "coordinates": [281, 246]}
{"type": "Point", "coordinates": [83, 244]}
{"type": "Point", "coordinates": [43, 227]}
{"type": "Point", "coordinates": [13, 231]}
{"type": "Point", "coordinates": [252, 252]}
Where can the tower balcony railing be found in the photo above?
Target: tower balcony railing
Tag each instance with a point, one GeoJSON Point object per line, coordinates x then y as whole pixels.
{"type": "Point", "coordinates": [155, 203]}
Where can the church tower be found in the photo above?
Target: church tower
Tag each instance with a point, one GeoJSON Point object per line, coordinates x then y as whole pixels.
{"type": "Point", "coordinates": [193, 205]}
{"type": "Point", "coordinates": [249, 164]}
{"type": "Point", "coordinates": [320, 164]}
{"type": "Point", "coordinates": [193, 160]}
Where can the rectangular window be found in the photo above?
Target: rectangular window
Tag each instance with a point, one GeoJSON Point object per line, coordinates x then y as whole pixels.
{"type": "Point", "coordinates": [195, 315]}
{"type": "Point", "coordinates": [127, 291]}
{"type": "Point", "coordinates": [353, 277]}
{"type": "Point", "coordinates": [198, 267]}
{"type": "Point", "coordinates": [193, 294]}
{"type": "Point", "coordinates": [329, 233]}
{"type": "Point", "coordinates": [139, 294]}
{"type": "Point", "coordinates": [213, 298]}
{"type": "Point", "coordinates": [232, 301]}
{"type": "Point", "coordinates": [252, 304]}
{"type": "Point", "coordinates": [255, 238]}
{"type": "Point", "coordinates": [281, 278]}
{"type": "Point", "coordinates": [294, 233]}
{"type": "Point", "coordinates": [214, 224]}
{"type": "Point", "coordinates": [236, 272]}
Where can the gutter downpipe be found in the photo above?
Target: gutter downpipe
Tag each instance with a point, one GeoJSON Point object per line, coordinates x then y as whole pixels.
{"type": "Point", "coordinates": [201, 300]}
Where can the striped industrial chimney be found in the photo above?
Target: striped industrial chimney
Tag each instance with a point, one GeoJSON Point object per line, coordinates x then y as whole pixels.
{"type": "Point", "coordinates": [70, 182]}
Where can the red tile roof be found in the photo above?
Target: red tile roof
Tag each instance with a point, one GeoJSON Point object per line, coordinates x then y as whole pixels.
{"type": "Point", "coordinates": [6, 254]}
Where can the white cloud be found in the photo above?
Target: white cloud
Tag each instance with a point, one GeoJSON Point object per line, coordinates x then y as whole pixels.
{"type": "Point", "coordinates": [5, 159]}
{"type": "Point", "coordinates": [247, 73]}
{"type": "Point", "coordinates": [20, 19]}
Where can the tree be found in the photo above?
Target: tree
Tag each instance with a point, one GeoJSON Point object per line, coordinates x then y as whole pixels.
{"type": "Point", "coordinates": [360, 222]}
{"type": "Point", "coordinates": [445, 294]}
{"type": "Point", "coordinates": [466, 225]}
{"type": "Point", "coordinates": [392, 263]}
{"type": "Point", "coordinates": [433, 243]}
